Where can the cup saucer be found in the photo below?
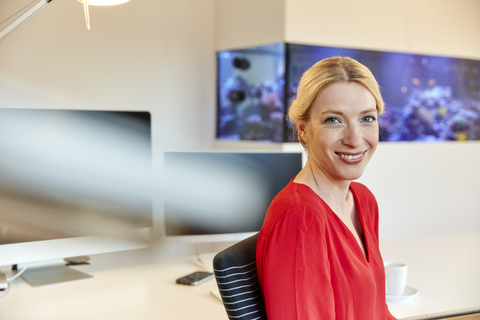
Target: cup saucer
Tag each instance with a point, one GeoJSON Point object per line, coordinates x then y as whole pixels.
{"type": "Point", "coordinates": [408, 294]}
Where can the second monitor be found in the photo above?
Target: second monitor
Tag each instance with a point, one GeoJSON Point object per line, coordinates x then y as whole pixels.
{"type": "Point", "coordinates": [222, 196]}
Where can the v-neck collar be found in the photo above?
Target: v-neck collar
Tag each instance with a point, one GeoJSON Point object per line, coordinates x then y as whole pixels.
{"type": "Point", "coordinates": [362, 223]}
{"type": "Point", "coordinates": [365, 255]}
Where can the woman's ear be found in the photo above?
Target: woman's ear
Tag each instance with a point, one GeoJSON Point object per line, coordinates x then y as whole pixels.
{"type": "Point", "coordinates": [302, 131]}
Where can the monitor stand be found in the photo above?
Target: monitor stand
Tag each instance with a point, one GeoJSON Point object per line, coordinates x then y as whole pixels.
{"type": "Point", "coordinates": [43, 276]}
{"type": "Point", "coordinates": [198, 258]}
{"type": "Point", "coordinates": [52, 274]}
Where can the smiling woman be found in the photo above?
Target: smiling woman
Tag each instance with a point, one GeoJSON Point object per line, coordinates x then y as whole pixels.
{"type": "Point", "coordinates": [320, 234]}
{"type": "Point", "coordinates": [324, 73]}
{"type": "Point", "coordinates": [342, 133]}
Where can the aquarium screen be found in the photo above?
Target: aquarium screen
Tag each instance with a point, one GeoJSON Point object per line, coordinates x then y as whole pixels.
{"type": "Point", "coordinates": [250, 101]}
{"type": "Point", "coordinates": [427, 98]}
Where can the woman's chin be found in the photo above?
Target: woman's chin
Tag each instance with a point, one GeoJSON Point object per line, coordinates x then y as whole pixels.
{"type": "Point", "coordinates": [350, 176]}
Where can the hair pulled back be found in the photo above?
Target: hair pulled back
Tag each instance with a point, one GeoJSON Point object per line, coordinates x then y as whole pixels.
{"type": "Point", "coordinates": [324, 73]}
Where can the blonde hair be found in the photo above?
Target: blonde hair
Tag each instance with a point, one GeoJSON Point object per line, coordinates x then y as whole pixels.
{"type": "Point", "coordinates": [324, 73]}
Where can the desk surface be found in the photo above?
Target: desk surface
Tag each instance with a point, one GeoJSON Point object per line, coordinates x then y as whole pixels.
{"type": "Point", "coordinates": [443, 268]}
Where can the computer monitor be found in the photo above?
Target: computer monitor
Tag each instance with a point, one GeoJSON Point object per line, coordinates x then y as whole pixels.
{"type": "Point", "coordinates": [73, 183]}
{"type": "Point", "coordinates": [222, 196]}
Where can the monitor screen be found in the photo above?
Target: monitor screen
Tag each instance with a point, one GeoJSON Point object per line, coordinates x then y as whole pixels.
{"type": "Point", "coordinates": [215, 196]}
{"type": "Point", "coordinates": [73, 182]}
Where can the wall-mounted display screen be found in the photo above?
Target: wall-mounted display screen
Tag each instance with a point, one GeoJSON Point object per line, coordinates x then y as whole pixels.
{"type": "Point", "coordinates": [251, 93]}
{"type": "Point", "coordinates": [427, 98]}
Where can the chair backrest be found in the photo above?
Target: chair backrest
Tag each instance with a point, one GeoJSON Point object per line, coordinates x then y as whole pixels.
{"type": "Point", "coordinates": [236, 275]}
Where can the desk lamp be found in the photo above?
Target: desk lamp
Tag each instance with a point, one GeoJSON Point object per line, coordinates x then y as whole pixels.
{"type": "Point", "coordinates": [40, 4]}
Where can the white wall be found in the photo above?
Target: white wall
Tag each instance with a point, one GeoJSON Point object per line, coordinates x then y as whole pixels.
{"type": "Point", "coordinates": [248, 23]}
{"type": "Point", "coordinates": [348, 23]}
{"type": "Point", "coordinates": [438, 27]}
{"type": "Point", "coordinates": [426, 188]}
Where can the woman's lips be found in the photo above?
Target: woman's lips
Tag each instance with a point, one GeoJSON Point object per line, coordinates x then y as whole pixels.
{"type": "Point", "coordinates": [350, 157]}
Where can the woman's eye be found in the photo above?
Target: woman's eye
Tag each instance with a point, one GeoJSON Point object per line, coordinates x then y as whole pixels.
{"type": "Point", "coordinates": [368, 119]}
{"type": "Point", "coordinates": [332, 120]}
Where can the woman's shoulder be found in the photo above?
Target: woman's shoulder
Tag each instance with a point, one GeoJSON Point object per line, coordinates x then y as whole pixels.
{"type": "Point", "coordinates": [361, 189]}
{"type": "Point", "coordinates": [363, 196]}
{"type": "Point", "coordinates": [295, 202]}
{"type": "Point", "coordinates": [297, 195]}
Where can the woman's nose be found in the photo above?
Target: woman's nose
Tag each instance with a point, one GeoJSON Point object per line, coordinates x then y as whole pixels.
{"type": "Point", "coordinates": [352, 135]}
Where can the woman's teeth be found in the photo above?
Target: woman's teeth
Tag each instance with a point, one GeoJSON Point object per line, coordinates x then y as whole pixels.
{"type": "Point", "coordinates": [350, 157]}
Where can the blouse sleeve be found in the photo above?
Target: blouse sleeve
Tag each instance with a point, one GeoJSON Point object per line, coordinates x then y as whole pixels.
{"type": "Point", "coordinates": [295, 268]}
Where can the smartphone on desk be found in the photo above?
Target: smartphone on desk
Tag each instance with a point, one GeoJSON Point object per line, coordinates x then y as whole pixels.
{"type": "Point", "coordinates": [195, 278]}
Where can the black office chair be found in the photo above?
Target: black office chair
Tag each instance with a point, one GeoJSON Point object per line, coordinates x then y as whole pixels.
{"type": "Point", "coordinates": [236, 275]}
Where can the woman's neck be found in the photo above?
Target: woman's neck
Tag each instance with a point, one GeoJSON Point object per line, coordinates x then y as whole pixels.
{"type": "Point", "coordinates": [336, 193]}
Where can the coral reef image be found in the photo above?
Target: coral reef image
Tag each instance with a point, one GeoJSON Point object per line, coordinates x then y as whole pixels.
{"type": "Point", "coordinates": [427, 98]}
{"type": "Point", "coordinates": [251, 94]}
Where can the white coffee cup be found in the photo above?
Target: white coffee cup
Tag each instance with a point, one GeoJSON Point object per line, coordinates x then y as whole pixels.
{"type": "Point", "coordinates": [396, 278]}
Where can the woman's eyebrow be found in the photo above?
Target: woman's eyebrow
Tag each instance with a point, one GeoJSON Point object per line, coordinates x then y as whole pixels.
{"type": "Point", "coordinates": [333, 111]}
{"type": "Point", "coordinates": [369, 110]}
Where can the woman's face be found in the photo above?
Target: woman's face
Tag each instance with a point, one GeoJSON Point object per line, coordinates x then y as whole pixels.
{"type": "Point", "coordinates": [342, 132]}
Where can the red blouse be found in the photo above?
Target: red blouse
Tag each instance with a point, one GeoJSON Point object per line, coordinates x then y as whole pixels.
{"type": "Point", "coordinates": [310, 265]}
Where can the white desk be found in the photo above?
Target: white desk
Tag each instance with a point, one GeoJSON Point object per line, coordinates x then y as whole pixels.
{"type": "Point", "coordinates": [129, 291]}
{"type": "Point", "coordinates": [445, 270]}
